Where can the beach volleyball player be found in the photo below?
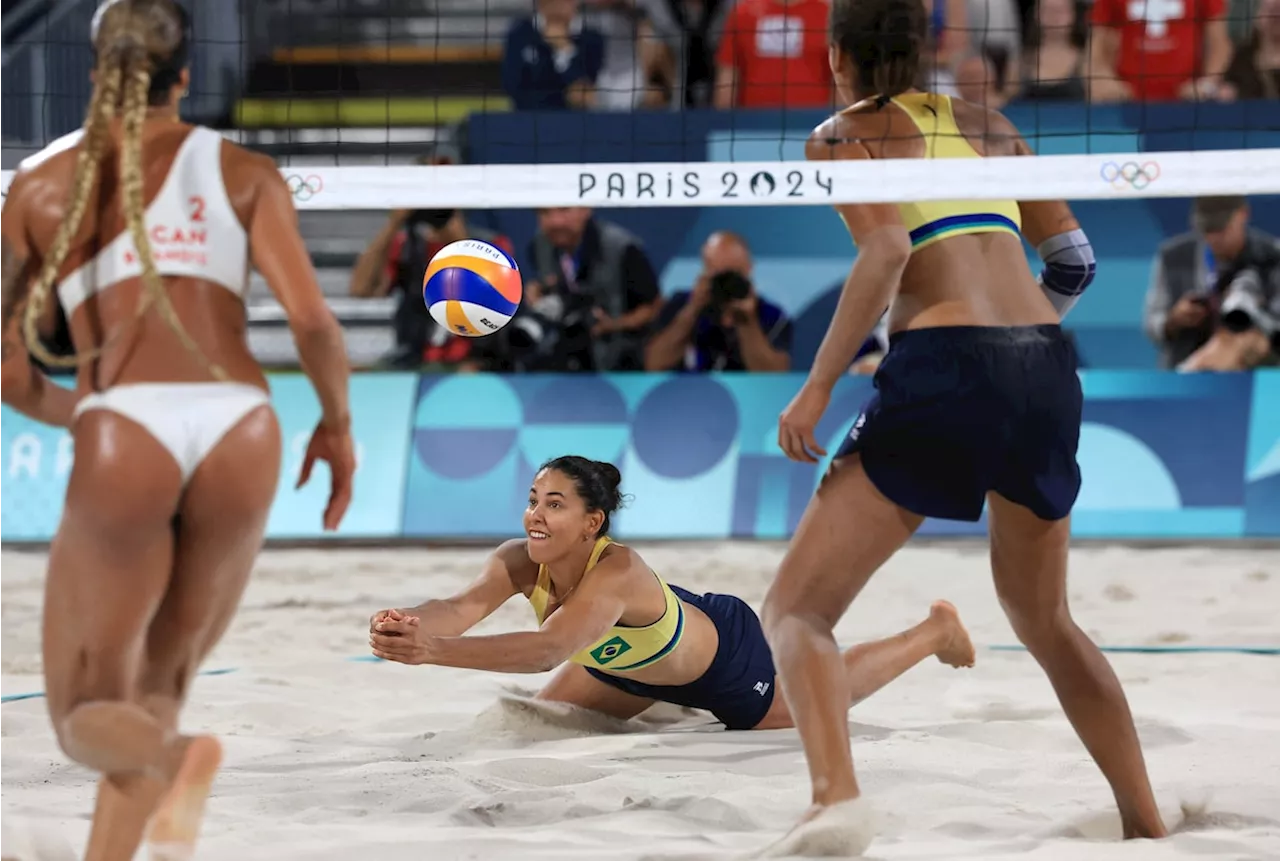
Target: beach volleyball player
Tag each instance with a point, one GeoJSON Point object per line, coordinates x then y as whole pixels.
{"type": "Point", "coordinates": [148, 227]}
{"type": "Point", "coordinates": [977, 400]}
{"type": "Point", "coordinates": [621, 636]}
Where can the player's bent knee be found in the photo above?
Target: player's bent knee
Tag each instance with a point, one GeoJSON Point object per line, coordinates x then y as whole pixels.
{"type": "Point", "coordinates": [78, 727]}
{"type": "Point", "coordinates": [1039, 629]}
{"type": "Point", "coordinates": [778, 607]}
{"type": "Point", "coordinates": [783, 627]}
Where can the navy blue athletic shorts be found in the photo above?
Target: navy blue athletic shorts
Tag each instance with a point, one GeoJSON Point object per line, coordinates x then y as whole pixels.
{"type": "Point", "coordinates": [738, 687]}
{"type": "Point", "coordinates": [963, 410]}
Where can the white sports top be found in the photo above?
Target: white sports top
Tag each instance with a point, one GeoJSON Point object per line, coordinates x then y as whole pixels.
{"type": "Point", "coordinates": [194, 230]}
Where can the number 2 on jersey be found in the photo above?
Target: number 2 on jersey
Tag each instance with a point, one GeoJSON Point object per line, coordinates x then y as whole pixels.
{"type": "Point", "coordinates": [197, 208]}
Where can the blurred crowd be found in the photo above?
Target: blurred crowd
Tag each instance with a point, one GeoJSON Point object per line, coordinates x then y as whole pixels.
{"type": "Point", "coordinates": [592, 297]}
{"type": "Point", "coordinates": [593, 302]}
{"type": "Point", "coordinates": [668, 54]}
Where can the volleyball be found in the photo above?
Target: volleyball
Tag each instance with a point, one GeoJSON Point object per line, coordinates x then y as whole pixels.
{"type": "Point", "coordinates": [472, 288]}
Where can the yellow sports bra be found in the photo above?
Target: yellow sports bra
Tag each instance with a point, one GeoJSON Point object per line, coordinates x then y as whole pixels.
{"type": "Point", "coordinates": [622, 648]}
{"type": "Point", "coordinates": [935, 221]}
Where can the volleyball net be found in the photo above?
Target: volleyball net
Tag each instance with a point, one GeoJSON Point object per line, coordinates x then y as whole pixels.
{"type": "Point", "coordinates": [678, 103]}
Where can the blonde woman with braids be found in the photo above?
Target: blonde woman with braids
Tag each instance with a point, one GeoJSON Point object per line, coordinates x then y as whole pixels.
{"type": "Point", "coordinates": [147, 228]}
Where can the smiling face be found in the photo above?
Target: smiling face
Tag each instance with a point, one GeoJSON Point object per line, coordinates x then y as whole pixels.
{"type": "Point", "coordinates": [557, 521]}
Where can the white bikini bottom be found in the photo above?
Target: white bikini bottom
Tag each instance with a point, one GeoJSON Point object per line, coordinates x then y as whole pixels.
{"type": "Point", "coordinates": [188, 419]}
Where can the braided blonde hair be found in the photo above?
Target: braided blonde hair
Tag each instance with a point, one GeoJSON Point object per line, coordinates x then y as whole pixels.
{"type": "Point", "coordinates": [128, 36]}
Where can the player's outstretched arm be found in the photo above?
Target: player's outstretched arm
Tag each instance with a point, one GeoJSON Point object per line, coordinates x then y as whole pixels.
{"type": "Point", "coordinates": [595, 607]}
{"type": "Point", "coordinates": [455, 615]}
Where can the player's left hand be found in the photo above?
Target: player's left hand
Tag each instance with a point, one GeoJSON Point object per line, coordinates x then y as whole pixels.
{"type": "Point", "coordinates": [335, 446]}
{"type": "Point", "coordinates": [400, 640]}
{"type": "Point", "coordinates": [799, 421]}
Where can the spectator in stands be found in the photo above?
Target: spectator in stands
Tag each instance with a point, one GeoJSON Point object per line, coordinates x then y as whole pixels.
{"type": "Point", "coordinates": [1159, 50]}
{"type": "Point", "coordinates": [629, 77]}
{"type": "Point", "coordinates": [722, 324]}
{"type": "Point", "coordinates": [1217, 283]}
{"type": "Point", "coordinates": [1053, 66]}
{"type": "Point", "coordinates": [1254, 72]}
{"type": "Point", "coordinates": [993, 28]}
{"type": "Point", "coordinates": [688, 32]}
{"type": "Point", "coordinates": [949, 42]}
{"type": "Point", "coordinates": [395, 260]}
{"type": "Point", "coordinates": [591, 299]}
{"type": "Point", "coordinates": [773, 54]}
{"type": "Point", "coordinates": [552, 59]}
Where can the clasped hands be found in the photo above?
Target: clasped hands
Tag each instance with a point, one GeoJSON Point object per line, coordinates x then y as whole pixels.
{"type": "Point", "coordinates": [397, 636]}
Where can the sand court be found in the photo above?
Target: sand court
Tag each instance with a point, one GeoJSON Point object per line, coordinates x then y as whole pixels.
{"type": "Point", "coordinates": [329, 756]}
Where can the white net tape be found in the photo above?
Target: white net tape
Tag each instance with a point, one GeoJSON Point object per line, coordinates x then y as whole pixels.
{"type": "Point", "coordinates": [1104, 176]}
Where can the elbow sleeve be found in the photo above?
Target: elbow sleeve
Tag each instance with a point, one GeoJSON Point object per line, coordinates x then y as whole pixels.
{"type": "Point", "coordinates": [1069, 267]}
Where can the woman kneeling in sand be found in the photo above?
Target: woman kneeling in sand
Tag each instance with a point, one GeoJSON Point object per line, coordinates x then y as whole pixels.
{"type": "Point", "coordinates": [626, 638]}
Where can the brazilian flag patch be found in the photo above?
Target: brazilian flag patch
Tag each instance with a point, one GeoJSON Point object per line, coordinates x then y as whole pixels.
{"type": "Point", "coordinates": [606, 652]}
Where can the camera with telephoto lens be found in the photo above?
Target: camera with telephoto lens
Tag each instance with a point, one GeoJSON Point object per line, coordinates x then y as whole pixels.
{"type": "Point", "coordinates": [728, 287]}
{"type": "Point", "coordinates": [554, 334]}
{"type": "Point", "coordinates": [1252, 299]}
{"type": "Point", "coordinates": [433, 218]}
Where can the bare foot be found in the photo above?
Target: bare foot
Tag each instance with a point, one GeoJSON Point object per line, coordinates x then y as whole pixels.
{"type": "Point", "coordinates": [176, 824]}
{"type": "Point", "coordinates": [841, 830]}
{"type": "Point", "coordinates": [955, 649]}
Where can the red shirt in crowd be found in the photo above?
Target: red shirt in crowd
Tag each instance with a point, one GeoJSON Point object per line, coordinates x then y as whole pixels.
{"type": "Point", "coordinates": [1161, 42]}
{"type": "Point", "coordinates": [442, 346]}
{"type": "Point", "coordinates": [779, 51]}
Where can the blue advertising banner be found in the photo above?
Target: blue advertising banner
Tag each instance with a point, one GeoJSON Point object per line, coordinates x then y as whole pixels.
{"type": "Point", "coordinates": [1163, 455]}
{"type": "Point", "coordinates": [37, 461]}
{"type": "Point", "coordinates": [1262, 462]}
{"type": "Point", "coordinates": [381, 406]}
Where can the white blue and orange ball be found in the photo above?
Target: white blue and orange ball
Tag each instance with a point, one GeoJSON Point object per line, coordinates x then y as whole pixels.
{"type": "Point", "coordinates": [472, 288]}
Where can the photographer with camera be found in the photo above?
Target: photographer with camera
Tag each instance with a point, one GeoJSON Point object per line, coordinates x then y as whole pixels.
{"type": "Point", "coordinates": [591, 296]}
{"type": "Point", "coordinates": [394, 262]}
{"type": "Point", "coordinates": [1214, 299]}
{"type": "Point", "coordinates": [723, 324]}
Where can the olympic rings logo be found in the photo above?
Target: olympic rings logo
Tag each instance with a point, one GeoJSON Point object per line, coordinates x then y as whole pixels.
{"type": "Point", "coordinates": [303, 188]}
{"type": "Point", "coordinates": [1131, 174]}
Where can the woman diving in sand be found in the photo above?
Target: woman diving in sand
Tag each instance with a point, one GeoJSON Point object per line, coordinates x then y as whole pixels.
{"type": "Point", "coordinates": [621, 636]}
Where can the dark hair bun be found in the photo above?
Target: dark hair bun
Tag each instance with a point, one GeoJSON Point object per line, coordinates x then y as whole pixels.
{"type": "Point", "coordinates": [609, 474]}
